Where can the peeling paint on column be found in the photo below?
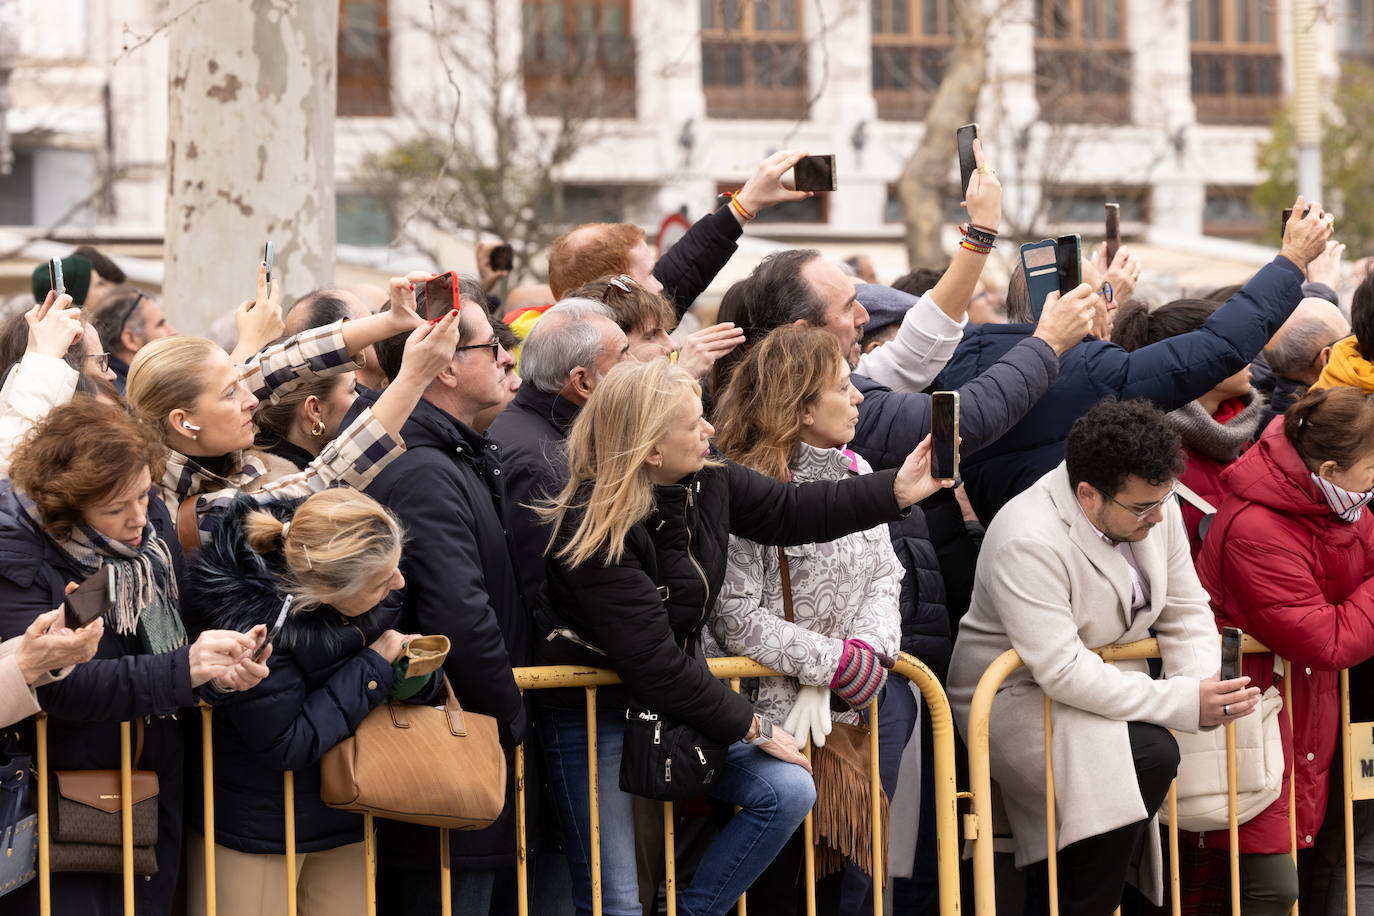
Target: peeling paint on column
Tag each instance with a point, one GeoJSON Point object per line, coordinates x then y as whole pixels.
{"type": "Point", "coordinates": [227, 92]}
{"type": "Point", "coordinates": [269, 49]}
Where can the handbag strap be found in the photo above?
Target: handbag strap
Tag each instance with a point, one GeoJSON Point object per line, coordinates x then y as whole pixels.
{"type": "Point", "coordinates": [188, 527]}
{"type": "Point", "coordinates": [138, 744]}
{"type": "Point", "coordinates": [786, 573]}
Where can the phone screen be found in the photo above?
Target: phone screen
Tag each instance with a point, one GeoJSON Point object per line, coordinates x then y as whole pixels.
{"type": "Point", "coordinates": [1069, 262]}
{"type": "Point", "coordinates": [440, 297]}
{"type": "Point", "coordinates": [964, 138]}
{"type": "Point", "coordinates": [1230, 653]}
{"type": "Point", "coordinates": [271, 635]}
{"type": "Point", "coordinates": [1113, 224]}
{"type": "Point", "coordinates": [814, 173]}
{"type": "Point", "coordinates": [502, 257]}
{"type": "Point", "coordinates": [55, 276]}
{"type": "Point", "coordinates": [267, 259]}
{"type": "Point", "coordinates": [91, 599]}
{"type": "Point", "coordinates": [944, 435]}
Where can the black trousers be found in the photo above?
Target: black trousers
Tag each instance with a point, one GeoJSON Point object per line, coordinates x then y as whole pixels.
{"type": "Point", "coordinates": [1092, 871]}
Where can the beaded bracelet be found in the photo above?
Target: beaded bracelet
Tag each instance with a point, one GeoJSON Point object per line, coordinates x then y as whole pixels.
{"type": "Point", "coordinates": [968, 245]}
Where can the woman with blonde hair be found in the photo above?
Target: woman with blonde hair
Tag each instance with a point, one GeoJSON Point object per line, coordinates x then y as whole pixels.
{"type": "Point", "coordinates": [336, 554]}
{"type": "Point", "coordinates": [202, 405]}
{"type": "Point", "coordinates": [637, 560]}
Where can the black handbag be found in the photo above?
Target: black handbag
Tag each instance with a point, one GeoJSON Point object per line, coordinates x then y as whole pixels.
{"type": "Point", "coordinates": [666, 760]}
{"type": "Point", "coordinates": [18, 820]}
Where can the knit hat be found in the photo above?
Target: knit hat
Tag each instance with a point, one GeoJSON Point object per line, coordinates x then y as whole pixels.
{"type": "Point", "coordinates": [884, 305]}
{"type": "Point", "coordinates": [76, 277]}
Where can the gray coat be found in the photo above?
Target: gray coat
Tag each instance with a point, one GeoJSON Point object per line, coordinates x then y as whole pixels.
{"type": "Point", "coordinates": [1050, 587]}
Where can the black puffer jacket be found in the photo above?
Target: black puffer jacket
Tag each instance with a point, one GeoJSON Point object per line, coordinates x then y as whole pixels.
{"type": "Point", "coordinates": [644, 609]}
{"type": "Point", "coordinates": [324, 681]}
{"type": "Point", "coordinates": [689, 266]}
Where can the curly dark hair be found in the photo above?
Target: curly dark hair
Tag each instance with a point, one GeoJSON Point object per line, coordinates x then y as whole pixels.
{"type": "Point", "coordinates": [1118, 439]}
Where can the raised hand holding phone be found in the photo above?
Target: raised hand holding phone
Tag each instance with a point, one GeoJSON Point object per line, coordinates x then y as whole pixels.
{"type": "Point", "coordinates": [53, 326]}
{"type": "Point", "coordinates": [1112, 220]}
{"type": "Point", "coordinates": [1306, 236]}
{"type": "Point", "coordinates": [983, 192]}
{"type": "Point", "coordinates": [1066, 320]}
{"type": "Point", "coordinates": [913, 482]}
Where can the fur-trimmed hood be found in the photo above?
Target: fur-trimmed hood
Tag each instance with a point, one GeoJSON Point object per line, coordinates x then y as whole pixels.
{"type": "Point", "coordinates": [233, 587]}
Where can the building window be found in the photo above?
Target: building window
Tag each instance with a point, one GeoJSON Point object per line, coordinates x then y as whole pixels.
{"type": "Point", "coordinates": [363, 219]}
{"type": "Point", "coordinates": [1235, 59]}
{"type": "Point", "coordinates": [911, 39]}
{"type": "Point", "coordinates": [573, 204]}
{"type": "Point", "coordinates": [364, 59]}
{"type": "Point", "coordinates": [578, 58]}
{"type": "Point", "coordinates": [1082, 63]}
{"type": "Point", "coordinates": [753, 59]}
{"type": "Point", "coordinates": [1355, 31]}
{"type": "Point", "coordinates": [814, 209]}
{"type": "Point", "coordinates": [1229, 211]}
{"type": "Point", "coordinates": [952, 214]}
{"type": "Point", "coordinates": [1080, 204]}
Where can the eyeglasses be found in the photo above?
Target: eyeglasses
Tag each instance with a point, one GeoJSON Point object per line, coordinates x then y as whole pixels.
{"type": "Point", "coordinates": [493, 345]}
{"type": "Point", "coordinates": [132, 307]}
{"type": "Point", "coordinates": [1142, 514]}
{"type": "Point", "coordinates": [102, 360]}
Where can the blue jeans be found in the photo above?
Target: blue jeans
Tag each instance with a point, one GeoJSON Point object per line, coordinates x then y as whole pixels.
{"type": "Point", "coordinates": [773, 796]}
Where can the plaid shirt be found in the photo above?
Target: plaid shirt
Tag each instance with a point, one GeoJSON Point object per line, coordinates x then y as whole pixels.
{"type": "Point", "coordinates": [353, 458]}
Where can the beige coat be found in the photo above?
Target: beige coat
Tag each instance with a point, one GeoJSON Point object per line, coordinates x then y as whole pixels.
{"type": "Point", "coordinates": [17, 697]}
{"type": "Point", "coordinates": [1050, 587]}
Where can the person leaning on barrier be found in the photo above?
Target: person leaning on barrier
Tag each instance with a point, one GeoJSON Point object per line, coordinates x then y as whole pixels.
{"type": "Point", "coordinates": [337, 554]}
{"type": "Point", "coordinates": [634, 569]}
{"type": "Point", "coordinates": [1094, 554]}
{"type": "Point", "coordinates": [79, 500]}
{"type": "Point", "coordinates": [1290, 560]}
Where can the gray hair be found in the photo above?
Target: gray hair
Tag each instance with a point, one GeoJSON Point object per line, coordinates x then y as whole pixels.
{"type": "Point", "coordinates": [1297, 348]}
{"type": "Point", "coordinates": [560, 341]}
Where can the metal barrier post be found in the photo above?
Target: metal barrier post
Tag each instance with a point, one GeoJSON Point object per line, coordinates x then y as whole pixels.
{"type": "Point", "coordinates": [1233, 829]}
{"type": "Point", "coordinates": [370, 864]}
{"type": "Point", "coordinates": [288, 797]}
{"type": "Point", "coordinates": [875, 789]}
{"type": "Point", "coordinates": [208, 789]}
{"type": "Point", "coordinates": [445, 875]}
{"type": "Point", "coordinates": [44, 837]}
{"type": "Point", "coordinates": [741, 908]}
{"type": "Point", "coordinates": [594, 800]}
{"type": "Point", "coordinates": [809, 845]}
{"type": "Point", "coordinates": [1293, 774]}
{"type": "Point", "coordinates": [1052, 847]}
{"type": "Point", "coordinates": [126, 814]}
{"type": "Point", "coordinates": [980, 780]}
{"type": "Point", "coordinates": [1175, 889]}
{"type": "Point", "coordinates": [522, 878]}
{"type": "Point", "coordinates": [1348, 791]}
{"type": "Point", "coordinates": [669, 858]}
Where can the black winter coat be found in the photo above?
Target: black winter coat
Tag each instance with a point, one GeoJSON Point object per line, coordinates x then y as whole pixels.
{"type": "Point", "coordinates": [689, 266]}
{"type": "Point", "coordinates": [1170, 373]}
{"type": "Point", "coordinates": [324, 681]}
{"type": "Point", "coordinates": [85, 709]}
{"type": "Point", "coordinates": [644, 609]}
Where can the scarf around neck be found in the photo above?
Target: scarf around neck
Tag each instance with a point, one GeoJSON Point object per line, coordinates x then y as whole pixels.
{"type": "Point", "coordinates": [146, 599]}
{"type": "Point", "coordinates": [1224, 440]}
{"type": "Point", "coordinates": [1348, 506]}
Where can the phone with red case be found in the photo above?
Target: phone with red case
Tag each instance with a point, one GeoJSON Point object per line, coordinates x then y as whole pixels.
{"type": "Point", "coordinates": [439, 297]}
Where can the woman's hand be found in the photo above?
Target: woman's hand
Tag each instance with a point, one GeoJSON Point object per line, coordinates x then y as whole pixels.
{"type": "Point", "coordinates": [810, 714]}
{"type": "Point", "coordinates": [48, 646]}
{"type": "Point", "coordinates": [390, 644]}
{"type": "Point", "coordinates": [782, 745]}
{"type": "Point", "coordinates": [53, 326]}
{"type": "Point", "coordinates": [702, 348]}
{"type": "Point", "coordinates": [216, 653]}
{"type": "Point", "coordinates": [1222, 702]}
{"type": "Point", "coordinates": [914, 482]}
{"type": "Point", "coordinates": [983, 196]}
{"type": "Point", "coordinates": [402, 315]}
{"type": "Point", "coordinates": [428, 350]}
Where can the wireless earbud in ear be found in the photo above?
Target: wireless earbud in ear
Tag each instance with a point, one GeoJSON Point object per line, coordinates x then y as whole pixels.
{"type": "Point", "coordinates": [191, 426]}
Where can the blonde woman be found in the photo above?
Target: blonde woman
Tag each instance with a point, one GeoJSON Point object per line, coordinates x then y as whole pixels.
{"type": "Point", "coordinates": [636, 563]}
{"type": "Point", "coordinates": [337, 555]}
{"type": "Point", "coordinates": [202, 404]}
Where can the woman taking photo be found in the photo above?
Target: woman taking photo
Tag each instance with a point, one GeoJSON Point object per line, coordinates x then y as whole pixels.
{"type": "Point", "coordinates": [788, 413]}
{"type": "Point", "coordinates": [78, 503]}
{"type": "Point", "coordinates": [1290, 560]}
{"type": "Point", "coordinates": [336, 554]}
{"type": "Point", "coordinates": [636, 562]}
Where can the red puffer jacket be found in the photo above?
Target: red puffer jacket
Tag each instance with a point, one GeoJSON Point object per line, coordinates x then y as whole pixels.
{"type": "Point", "coordinates": [1280, 565]}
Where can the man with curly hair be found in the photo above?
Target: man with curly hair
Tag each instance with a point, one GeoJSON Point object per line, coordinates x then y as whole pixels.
{"type": "Point", "coordinates": [1094, 553]}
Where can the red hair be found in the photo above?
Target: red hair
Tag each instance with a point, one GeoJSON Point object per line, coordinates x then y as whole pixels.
{"type": "Point", "coordinates": [591, 250]}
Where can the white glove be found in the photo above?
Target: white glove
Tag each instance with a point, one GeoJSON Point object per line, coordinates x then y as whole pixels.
{"type": "Point", "coordinates": [811, 712]}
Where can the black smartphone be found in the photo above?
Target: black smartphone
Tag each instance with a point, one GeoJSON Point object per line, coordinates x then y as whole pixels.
{"type": "Point", "coordinates": [91, 599]}
{"type": "Point", "coordinates": [502, 257]}
{"type": "Point", "coordinates": [944, 435]}
{"type": "Point", "coordinates": [963, 138]}
{"type": "Point", "coordinates": [1230, 653]}
{"type": "Point", "coordinates": [1068, 262]}
{"type": "Point", "coordinates": [1113, 223]}
{"type": "Point", "coordinates": [814, 173]}
{"type": "Point", "coordinates": [440, 296]}
{"type": "Point", "coordinates": [55, 276]}
{"type": "Point", "coordinates": [267, 259]}
{"type": "Point", "coordinates": [274, 631]}
{"type": "Point", "coordinates": [1283, 220]}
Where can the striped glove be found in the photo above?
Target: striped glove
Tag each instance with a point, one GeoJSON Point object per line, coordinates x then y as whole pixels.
{"type": "Point", "coordinates": [860, 675]}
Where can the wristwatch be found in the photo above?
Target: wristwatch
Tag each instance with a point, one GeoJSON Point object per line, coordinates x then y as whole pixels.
{"type": "Point", "coordinates": [765, 732]}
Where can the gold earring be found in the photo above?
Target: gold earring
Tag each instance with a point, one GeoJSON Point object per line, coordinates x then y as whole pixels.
{"type": "Point", "coordinates": [317, 428]}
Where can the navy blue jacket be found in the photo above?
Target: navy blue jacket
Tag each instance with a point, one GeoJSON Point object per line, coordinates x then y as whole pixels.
{"type": "Point", "coordinates": [1171, 373]}
{"type": "Point", "coordinates": [324, 681]}
{"type": "Point", "coordinates": [85, 708]}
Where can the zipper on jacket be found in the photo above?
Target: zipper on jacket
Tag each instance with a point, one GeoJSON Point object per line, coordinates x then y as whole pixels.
{"type": "Point", "coordinates": [705, 583]}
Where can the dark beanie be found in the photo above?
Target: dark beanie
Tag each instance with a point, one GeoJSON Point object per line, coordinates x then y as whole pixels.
{"type": "Point", "coordinates": [76, 277]}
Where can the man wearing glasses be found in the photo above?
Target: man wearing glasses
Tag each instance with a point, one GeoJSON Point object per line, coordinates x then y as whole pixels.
{"type": "Point", "coordinates": [126, 319]}
{"type": "Point", "coordinates": [1093, 554]}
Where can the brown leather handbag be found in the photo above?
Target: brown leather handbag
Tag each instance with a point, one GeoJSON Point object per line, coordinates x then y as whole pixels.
{"type": "Point", "coordinates": [87, 821]}
{"type": "Point", "coordinates": [432, 765]}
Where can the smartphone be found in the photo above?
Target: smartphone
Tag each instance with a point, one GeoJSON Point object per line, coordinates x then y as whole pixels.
{"type": "Point", "coordinates": [963, 138]}
{"type": "Point", "coordinates": [944, 435]}
{"type": "Point", "coordinates": [502, 257]}
{"type": "Point", "coordinates": [91, 599]}
{"type": "Point", "coordinates": [440, 297]}
{"type": "Point", "coordinates": [1230, 653]}
{"type": "Point", "coordinates": [1039, 262]}
{"type": "Point", "coordinates": [274, 631]}
{"type": "Point", "coordinates": [1283, 220]}
{"type": "Point", "coordinates": [1113, 221]}
{"type": "Point", "coordinates": [1068, 257]}
{"type": "Point", "coordinates": [55, 276]}
{"type": "Point", "coordinates": [267, 259]}
{"type": "Point", "coordinates": [814, 173]}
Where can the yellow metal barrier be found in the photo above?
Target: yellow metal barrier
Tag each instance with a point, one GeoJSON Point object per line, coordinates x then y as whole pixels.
{"type": "Point", "coordinates": [980, 785]}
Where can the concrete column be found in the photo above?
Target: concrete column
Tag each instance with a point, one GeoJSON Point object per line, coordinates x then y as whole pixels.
{"type": "Point", "coordinates": [250, 152]}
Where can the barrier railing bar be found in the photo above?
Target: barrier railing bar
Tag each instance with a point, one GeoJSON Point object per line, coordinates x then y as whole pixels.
{"type": "Point", "coordinates": [207, 753]}
{"type": "Point", "coordinates": [1052, 859]}
{"type": "Point", "coordinates": [1293, 773]}
{"type": "Point", "coordinates": [594, 801]}
{"type": "Point", "coordinates": [126, 814]}
{"type": "Point", "coordinates": [1347, 801]}
{"type": "Point", "coordinates": [875, 788]}
{"type": "Point", "coordinates": [1232, 828]}
{"type": "Point", "coordinates": [1175, 887]}
{"type": "Point", "coordinates": [742, 908]}
{"type": "Point", "coordinates": [44, 838]}
{"type": "Point", "coordinates": [522, 879]}
{"type": "Point", "coordinates": [370, 864]}
{"type": "Point", "coordinates": [809, 843]}
{"type": "Point", "coordinates": [670, 858]}
{"type": "Point", "coordinates": [288, 801]}
{"type": "Point", "coordinates": [445, 875]}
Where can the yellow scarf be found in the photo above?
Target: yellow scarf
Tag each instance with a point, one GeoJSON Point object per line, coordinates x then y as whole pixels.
{"type": "Point", "coordinates": [1347, 367]}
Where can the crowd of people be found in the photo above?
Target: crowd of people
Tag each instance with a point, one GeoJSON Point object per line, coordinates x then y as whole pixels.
{"type": "Point", "coordinates": [760, 487]}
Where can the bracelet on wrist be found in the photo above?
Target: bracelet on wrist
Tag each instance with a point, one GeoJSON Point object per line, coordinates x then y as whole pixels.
{"type": "Point", "coordinates": [739, 208]}
{"type": "Point", "coordinates": [980, 236]}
